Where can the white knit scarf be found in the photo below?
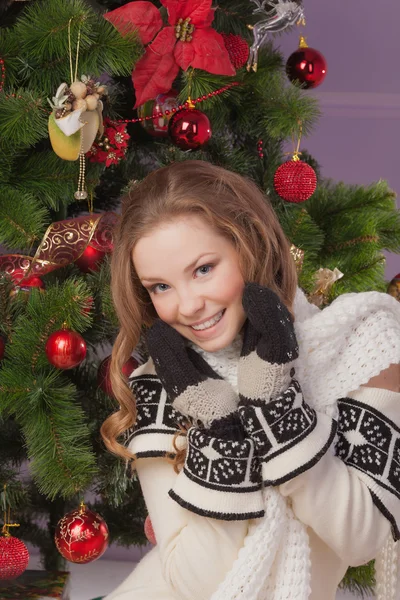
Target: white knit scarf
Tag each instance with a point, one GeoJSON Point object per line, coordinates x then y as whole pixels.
{"type": "Point", "coordinates": [341, 348]}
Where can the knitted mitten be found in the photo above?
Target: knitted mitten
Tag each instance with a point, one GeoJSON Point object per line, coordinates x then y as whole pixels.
{"type": "Point", "coordinates": [288, 434]}
{"type": "Point", "coordinates": [220, 457]}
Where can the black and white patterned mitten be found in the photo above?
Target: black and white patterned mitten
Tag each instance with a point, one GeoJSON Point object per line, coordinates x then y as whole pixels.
{"type": "Point", "coordinates": [221, 477]}
{"type": "Point", "coordinates": [290, 437]}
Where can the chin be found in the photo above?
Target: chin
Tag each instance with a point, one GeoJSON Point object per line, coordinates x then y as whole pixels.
{"type": "Point", "coordinates": [216, 344]}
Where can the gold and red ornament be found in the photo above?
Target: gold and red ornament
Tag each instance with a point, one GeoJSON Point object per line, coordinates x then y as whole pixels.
{"type": "Point", "coordinates": [63, 243]}
{"type": "Point", "coordinates": [149, 531]}
{"type": "Point", "coordinates": [65, 349]}
{"type": "Point", "coordinates": [295, 181]}
{"type": "Point", "coordinates": [90, 259]}
{"type": "Point", "coordinates": [110, 147]}
{"type": "Point", "coordinates": [394, 287]}
{"type": "Point", "coordinates": [155, 114]}
{"type": "Point", "coordinates": [187, 40]}
{"type": "Point", "coordinates": [103, 373]}
{"type": "Point", "coordinates": [238, 49]}
{"type": "Point", "coordinates": [189, 128]}
{"type": "Point", "coordinates": [14, 555]}
{"type": "Point", "coordinates": [306, 66]}
{"type": "Point", "coordinates": [81, 535]}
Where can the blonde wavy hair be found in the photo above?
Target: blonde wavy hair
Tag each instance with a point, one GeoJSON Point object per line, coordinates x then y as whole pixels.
{"type": "Point", "coordinates": [236, 208]}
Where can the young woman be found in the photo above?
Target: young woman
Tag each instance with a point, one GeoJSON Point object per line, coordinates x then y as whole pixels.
{"type": "Point", "coordinates": [265, 432]}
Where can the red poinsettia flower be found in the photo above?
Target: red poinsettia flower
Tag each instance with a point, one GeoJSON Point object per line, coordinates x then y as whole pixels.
{"type": "Point", "coordinates": [187, 41]}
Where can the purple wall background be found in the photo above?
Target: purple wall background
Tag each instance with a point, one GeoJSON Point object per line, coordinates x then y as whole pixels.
{"type": "Point", "coordinates": [357, 138]}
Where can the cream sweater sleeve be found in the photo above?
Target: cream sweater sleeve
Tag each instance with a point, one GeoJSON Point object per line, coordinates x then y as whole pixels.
{"type": "Point", "coordinates": [332, 499]}
{"type": "Point", "coordinates": [196, 552]}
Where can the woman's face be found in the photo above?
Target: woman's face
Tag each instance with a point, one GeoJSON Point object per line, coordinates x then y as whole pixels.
{"type": "Point", "coordinates": [192, 275]}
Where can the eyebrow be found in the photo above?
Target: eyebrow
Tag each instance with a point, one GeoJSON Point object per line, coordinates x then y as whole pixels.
{"type": "Point", "coordinates": [186, 269]}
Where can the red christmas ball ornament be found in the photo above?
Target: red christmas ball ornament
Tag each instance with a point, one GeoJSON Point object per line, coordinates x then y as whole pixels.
{"type": "Point", "coordinates": [306, 66]}
{"type": "Point", "coordinates": [238, 49]}
{"type": "Point", "coordinates": [189, 129]}
{"type": "Point", "coordinates": [65, 349]}
{"type": "Point", "coordinates": [14, 557]}
{"type": "Point", "coordinates": [157, 113]}
{"type": "Point", "coordinates": [90, 259]}
{"type": "Point", "coordinates": [2, 347]}
{"type": "Point", "coordinates": [81, 535]}
{"type": "Point", "coordinates": [149, 531]}
{"type": "Point", "coordinates": [103, 374]}
{"type": "Point", "coordinates": [295, 181]}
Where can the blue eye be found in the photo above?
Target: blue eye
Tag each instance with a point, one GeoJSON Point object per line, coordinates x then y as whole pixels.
{"type": "Point", "coordinates": [159, 287]}
{"type": "Point", "coordinates": [204, 269]}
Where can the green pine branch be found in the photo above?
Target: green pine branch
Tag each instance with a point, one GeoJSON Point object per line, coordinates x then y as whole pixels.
{"type": "Point", "coordinates": [23, 220]}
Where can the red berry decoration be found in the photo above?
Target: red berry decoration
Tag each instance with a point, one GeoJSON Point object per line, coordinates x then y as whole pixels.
{"type": "Point", "coordinates": [65, 349]}
{"type": "Point", "coordinates": [149, 531]}
{"type": "Point", "coordinates": [306, 66]}
{"type": "Point", "coordinates": [103, 374]}
{"type": "Point", "coordinates": [81, 535]}
{"type": "Point", "coordinates": [295, 181]}
{"type": "Point", "coordinates": [14, 557]}
{"type": "Point", "coordinates": [238, 49]}
{"type": "Point", "coordinates": [2, 347]}
{"type": "Point", "coordinates": [90, 259]}
{"type": "Point", "coordinates": [189, 129]}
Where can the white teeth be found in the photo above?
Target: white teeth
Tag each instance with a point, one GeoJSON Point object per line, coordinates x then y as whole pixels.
{"type": "Point", "coordinates": [209, 323]}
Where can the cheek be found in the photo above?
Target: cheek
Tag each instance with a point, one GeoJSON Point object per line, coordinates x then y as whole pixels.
{"type": "Point", "coordinates": [232, 287]}
{"type": "Point", "coordinates": [164, 308]}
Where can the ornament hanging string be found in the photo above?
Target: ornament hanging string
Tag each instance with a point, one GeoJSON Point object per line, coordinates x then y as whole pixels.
{"type": "Point", "coordinates": [7, 517]}
{"type": "Point", "coordinates": [73, 76]}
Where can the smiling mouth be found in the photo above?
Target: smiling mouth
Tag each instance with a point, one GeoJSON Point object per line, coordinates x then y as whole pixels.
{"type": "Point", "coordinates": [210, 323]}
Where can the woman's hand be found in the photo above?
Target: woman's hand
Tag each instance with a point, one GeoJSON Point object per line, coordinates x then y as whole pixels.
{"type": "Point", "coordinates": [191, 384]}
{"type": "Point", "coordinates": [269, 346]}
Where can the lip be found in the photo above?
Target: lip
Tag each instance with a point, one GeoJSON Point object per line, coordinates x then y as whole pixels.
{"type": "Point", "coordinates": [205, 320]}
{"type": "Point", "coordinates": [205, 334]}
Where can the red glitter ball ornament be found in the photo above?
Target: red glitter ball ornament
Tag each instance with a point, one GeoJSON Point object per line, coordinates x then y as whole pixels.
{"type": "Point", "coordinates": [189, 129]}
{"type": "Point", "coordinates": [90, 259]}
{"type": "Point", "coordinates": [65, 349]}
{"type": "Point", "coordinates": [149, 531]}
{"type": "Point", "coordinates": [81, 535]}
{"type": "Point", "coordinates": [295, 181]}
{"type": "Point", "coordinates": [306, 66]}
{"type": "Point", "coordinates": [14, 557]}
{"type": "Point", "coordinates": [238, 49]}
{"type": "Point", "coordinates": [103, 374]}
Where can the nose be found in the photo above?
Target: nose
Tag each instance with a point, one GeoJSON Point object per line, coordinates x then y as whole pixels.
{"type": "Point", "coordinates": [190, 303]}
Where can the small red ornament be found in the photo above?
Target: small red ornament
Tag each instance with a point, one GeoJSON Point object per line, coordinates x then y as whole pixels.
{"type": "Point", "coordinates": [90, 259]}
{"type": "Point", "coordinates": [238, 49]}
{"type": "Point", "coordinates": [14, 557]}
{"type": "Point", "coordinates": [103, 374]}
{"type": "Point", "coordinates": [65, 349]}
{"type": "Point", "coordinates": [158, 113]}
{"type": "Point", "coordinates": [189, 129]}
{"type": "Point", "coordinates": [2, 347]}
{"type": "Point", "coordinates": [295, 181]}
{"type": "Point", "coordinates": [81, 535]}
{"type": "Point", "coordinates": [149, 531]}
{"type": "Point", "coordinates": [306, 66]}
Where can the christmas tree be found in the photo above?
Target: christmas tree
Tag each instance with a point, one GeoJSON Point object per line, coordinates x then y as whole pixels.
{"type": "Point", "coordinates": [180, 83]}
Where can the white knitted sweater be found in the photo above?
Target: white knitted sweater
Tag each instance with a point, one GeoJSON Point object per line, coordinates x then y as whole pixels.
{"type": "Point", "coordinates": [341, 348]}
